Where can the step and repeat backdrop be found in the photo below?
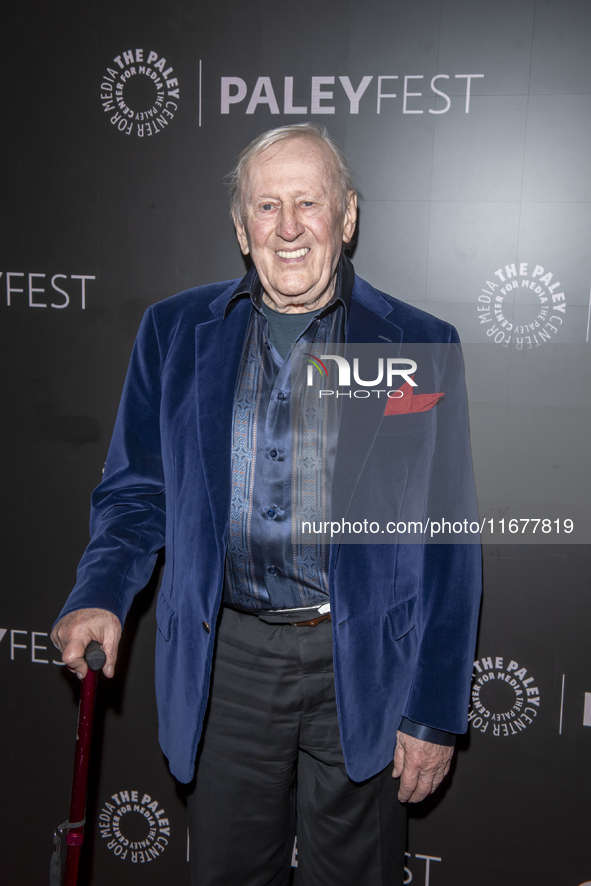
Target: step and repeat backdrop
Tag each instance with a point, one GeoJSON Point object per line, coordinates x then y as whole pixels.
{"type": "Point", "coordinates": [468, 127]}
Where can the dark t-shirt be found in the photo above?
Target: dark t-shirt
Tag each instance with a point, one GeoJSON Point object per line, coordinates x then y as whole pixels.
{"type": "Point", "coordinates": [284, 329]}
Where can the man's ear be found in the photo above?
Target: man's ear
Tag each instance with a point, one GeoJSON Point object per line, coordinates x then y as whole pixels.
{"type": "Point", "coordinates": [350, 219]}
{"type": "Point", "coordinates": [241, 236]}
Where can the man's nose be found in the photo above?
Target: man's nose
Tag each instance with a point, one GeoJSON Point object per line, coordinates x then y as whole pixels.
{"type": "Point", "coordinates": [289, 225]}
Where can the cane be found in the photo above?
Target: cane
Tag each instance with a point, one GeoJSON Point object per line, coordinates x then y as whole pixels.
{"type": "Point", "coordinates": [95, 659]}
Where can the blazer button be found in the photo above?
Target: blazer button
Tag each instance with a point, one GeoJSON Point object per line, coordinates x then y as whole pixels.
{"type": "Point", "coordinates": [206, 627]}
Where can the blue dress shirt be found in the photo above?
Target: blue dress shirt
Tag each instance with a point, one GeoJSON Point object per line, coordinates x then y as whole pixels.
{"type": "Point", "coordinates": [264, 569]}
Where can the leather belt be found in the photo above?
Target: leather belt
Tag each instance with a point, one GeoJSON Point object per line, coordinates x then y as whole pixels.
{"type": "Point", "coordinates": [313, 621]}
{"type": "Point", "coordinates": [296, 617]}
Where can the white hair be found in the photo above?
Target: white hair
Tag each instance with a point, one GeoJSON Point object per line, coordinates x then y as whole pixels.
{"type": "Point", "coordinates": [237, 176]}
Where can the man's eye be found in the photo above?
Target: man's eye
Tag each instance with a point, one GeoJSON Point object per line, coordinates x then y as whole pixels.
{"type": "Point", "coordinates": [307, 203]}
{"type": "Point", "coordinates": [267, 206]}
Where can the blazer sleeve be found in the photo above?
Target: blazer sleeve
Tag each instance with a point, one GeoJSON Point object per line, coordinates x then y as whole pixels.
{"type": "Point", "coordinates": [451, 582]}
{"type": "Point", "coordinates": [127, 521]}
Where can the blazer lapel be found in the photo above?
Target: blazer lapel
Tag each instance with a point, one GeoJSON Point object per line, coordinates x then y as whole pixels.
{"type": "Point", "coordinates": [218, 348]}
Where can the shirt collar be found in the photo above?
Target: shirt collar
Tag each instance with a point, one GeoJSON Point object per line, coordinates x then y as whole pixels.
{"type": "Point", "coordinates": [250, 287]}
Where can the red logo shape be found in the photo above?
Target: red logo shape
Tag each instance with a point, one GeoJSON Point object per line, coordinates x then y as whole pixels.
{"type": "Point", "coordinates": [410, 402]}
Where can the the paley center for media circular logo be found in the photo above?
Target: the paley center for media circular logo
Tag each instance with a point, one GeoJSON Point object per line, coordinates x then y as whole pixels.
{"type": "Point", "coordinates": [522, 304]}
{"type": "Point", "coordinates": [134, 826]}
{"type": "Point", "coordinates": [140, 92]}
{"type": "Point", "coordinates": [505, 699]}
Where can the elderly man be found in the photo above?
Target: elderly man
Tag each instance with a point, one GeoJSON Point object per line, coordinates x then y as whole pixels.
{"type": "Point", "coordinates": [249, 624]}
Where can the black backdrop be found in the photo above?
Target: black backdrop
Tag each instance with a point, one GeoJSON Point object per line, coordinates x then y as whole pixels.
{"type": "Point", "coordinates": [468, 127]}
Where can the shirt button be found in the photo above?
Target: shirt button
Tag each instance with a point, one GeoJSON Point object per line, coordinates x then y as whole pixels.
{"type": "Point", "coordinates": [206, 627]}
{"type": "Point", "coordinates": [281, 395]}
{"type": "Point", "coordinates": [272, 570]}
{"type": "Point", "coordinates": [270, 513]}
{"type": "Point", "coordinates": [273, 453]}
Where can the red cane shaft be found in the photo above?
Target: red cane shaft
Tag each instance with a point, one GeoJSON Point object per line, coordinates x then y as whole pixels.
{"type": "Point", "coordinates": [75, 836]}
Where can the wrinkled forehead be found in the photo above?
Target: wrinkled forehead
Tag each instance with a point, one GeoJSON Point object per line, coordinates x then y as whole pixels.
{"type": "Point", "coordinates": [300, 163]}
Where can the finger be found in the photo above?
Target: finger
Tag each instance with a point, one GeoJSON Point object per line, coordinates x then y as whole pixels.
{"type": "Point", "coordinates": [423, 787]}
{"type": "Point", "coordinates": [438, 776]}
{"type": "Point", "coordinates": [428, 781]}
{"type": "Point", "coordinates": [408, 783]}
{"type": "Point", "coordinates": [406, 790]}
{"type": "Point", "coordinates": [73, 656]}
{"type": "Point", "coordinates": [398, 760]}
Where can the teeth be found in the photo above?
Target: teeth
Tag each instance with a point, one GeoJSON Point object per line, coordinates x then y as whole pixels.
{"type": "Point", "coordinates": [297, 253]}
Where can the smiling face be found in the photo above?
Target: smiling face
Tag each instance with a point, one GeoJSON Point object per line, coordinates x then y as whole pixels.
{"type": "Point", "coordinates": [294, 226]}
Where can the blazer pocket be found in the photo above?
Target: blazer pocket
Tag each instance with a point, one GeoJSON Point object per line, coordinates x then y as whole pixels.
{"type": "Point", "coordinates": [164, 614]}
{"type": "Point", "coordinates": [401, 618]}
{"type": "Point", "coordinates": [409, 423]}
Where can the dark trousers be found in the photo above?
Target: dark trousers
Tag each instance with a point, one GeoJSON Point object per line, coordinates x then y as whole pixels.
{"type": "Point", "coordinates": [270, 762]}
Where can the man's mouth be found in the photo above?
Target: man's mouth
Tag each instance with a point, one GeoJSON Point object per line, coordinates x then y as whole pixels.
{"type": "Point", "coordinates": [292, 253]}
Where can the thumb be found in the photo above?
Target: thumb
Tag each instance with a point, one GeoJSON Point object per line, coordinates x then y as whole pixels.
{"type": "Point", "coordinates": [398, 761]}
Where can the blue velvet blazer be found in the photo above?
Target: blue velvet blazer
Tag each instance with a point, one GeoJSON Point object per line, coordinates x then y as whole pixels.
{"type": "Point", "coordinates": [404, 616]}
